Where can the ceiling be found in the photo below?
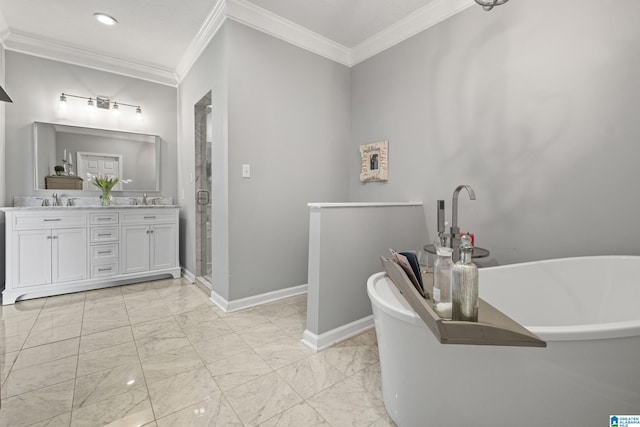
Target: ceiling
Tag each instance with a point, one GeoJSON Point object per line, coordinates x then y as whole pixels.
{"type": "Point", "coordinates": [159, 39]}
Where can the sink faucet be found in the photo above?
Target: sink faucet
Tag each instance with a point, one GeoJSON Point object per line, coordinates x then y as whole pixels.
{"type": "Point", "coordinates": [455, 230]}
{"type": "Point", "coordinates": [144, 199]}
{"type": "Point", "coordinates": [56, 199]}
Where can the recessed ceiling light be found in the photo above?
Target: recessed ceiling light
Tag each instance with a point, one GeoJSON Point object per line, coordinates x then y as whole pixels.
{"type": "Point", "coordinates": [105, 19]}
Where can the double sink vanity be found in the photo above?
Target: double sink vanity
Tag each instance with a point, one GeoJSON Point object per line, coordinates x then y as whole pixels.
{"type": "Point", "coordinates": [69, 243]}
{"type": "Point", "coordinates": [57, 250]}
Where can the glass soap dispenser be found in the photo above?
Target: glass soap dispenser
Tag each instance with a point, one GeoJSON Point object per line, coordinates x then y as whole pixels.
{"type": "Point", "coordinates": [442, 282]}
{"type": "Point", "coordinates": [464, 276]}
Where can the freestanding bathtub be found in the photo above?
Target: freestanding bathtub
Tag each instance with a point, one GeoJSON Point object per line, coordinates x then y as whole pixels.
{"type": "Point", "coordinates": [587, 309]}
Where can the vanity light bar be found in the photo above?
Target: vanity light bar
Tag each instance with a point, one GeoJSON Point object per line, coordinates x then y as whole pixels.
{"type": "Point", "coordinates": [102, 102]}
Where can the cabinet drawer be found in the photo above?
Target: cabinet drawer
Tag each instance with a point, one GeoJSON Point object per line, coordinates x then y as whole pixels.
{"type": "Point", "coordinates": [104, 270]}
{"type": "Point", "coordinates": [104, 234]}
{"type": "Point", "coordinates": [49, 219]}
{"type": "Point", "coordinates": [103, 254]}
{"type": "Point", "coordinates": [106, 218]}
{"type": "Point", "coordinates": [148, 216]}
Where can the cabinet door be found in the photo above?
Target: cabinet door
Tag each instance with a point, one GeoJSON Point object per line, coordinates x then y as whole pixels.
{"type": "Point", "coordinates": [134, 256]}
{"type": "Point", "coordinates": [163, 246]}
{"type": "Point", "coordinates": [69, 257]}
{"type": "Point", "coordinates": [31, 257]}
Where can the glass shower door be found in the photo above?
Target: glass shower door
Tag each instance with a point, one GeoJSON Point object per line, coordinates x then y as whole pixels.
{"type": "Point", "coordinates": [203, 122]}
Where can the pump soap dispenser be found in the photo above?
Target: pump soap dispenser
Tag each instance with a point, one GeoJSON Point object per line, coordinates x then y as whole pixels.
{"type": "Point", "coordinates": [464, 275]}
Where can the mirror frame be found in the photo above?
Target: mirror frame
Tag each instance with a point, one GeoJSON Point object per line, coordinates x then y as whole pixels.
{"type": "Point", "coordinates": [96, 131]}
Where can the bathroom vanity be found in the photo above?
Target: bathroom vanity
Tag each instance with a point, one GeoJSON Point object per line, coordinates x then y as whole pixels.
{"type": "Point", "coordinates": [59, 250]}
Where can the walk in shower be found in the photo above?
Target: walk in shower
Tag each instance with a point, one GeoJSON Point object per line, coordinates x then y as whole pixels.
{"type": "Point", "coordinates": [203, 141]}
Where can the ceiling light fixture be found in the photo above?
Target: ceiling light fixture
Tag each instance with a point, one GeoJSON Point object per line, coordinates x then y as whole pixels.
{"type": "Point", "coordinates": [101, 102]}
{"type": "Point", "coordinates": [105, 19]}
{"type": "Point", "coordinates": [490, 4]}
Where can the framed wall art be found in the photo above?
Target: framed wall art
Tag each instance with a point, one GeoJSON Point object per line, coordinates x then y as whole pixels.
{"type": "Point", "coordinates": [375, 161]}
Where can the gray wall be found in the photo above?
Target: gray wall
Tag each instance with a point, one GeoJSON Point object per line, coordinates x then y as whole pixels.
{"type": "Point", "coordinates": [209, 73]}
{"type": "Point", "coordinates": [2, 138]}
{"type": "Point", "coordinates": [289, 118]}
{"type": "Point", "coordinates": [534, 104]}
{"type": "Point", "coordinates": [35, 85]}
{"type": "Point", "coordinates": [286, 112]}
{"type": "Point", "coordinates": [346, 243]}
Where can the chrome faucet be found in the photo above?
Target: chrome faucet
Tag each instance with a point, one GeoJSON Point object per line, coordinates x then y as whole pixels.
{"type": "Point", "coordinates": [455, 230]}
{"type": "Point", "coordinates": [56, 199]}
{"type": "Point", "coordinates": [144, 199]}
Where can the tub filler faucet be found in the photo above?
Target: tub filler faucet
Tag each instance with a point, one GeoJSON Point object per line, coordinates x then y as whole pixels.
{"type": "Point", "coordinates": [455, 230]}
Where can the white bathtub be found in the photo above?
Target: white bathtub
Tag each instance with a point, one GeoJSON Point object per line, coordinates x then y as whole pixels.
{"type": "Point", "coordinates": [588, 311]}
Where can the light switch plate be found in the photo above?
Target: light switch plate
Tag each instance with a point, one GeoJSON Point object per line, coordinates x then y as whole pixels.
{"type": "Point", "coordinates": [246, 171]}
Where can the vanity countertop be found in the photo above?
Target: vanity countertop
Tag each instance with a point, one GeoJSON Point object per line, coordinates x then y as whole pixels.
{"type": "Point", "coordinates": [59, 208]}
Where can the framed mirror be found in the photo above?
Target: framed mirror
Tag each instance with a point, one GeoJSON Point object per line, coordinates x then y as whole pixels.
{"type": "Point", "coordinates": [65, 154]}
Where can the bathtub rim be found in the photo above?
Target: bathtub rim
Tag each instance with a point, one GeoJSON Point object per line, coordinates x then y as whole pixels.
{"type": "Point", "coordinates": [584, 332]}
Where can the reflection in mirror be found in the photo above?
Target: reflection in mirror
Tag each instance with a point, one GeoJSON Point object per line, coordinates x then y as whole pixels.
{"type": "Point", "coordinates": [65, 154]}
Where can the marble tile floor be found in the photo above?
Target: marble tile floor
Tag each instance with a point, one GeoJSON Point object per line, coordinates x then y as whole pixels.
{"type": "Point", "coordinates": [162, 354]}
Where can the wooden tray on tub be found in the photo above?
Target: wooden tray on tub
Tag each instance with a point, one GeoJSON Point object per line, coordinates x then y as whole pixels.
{"type": "Point", "coordinates": [493, 326]}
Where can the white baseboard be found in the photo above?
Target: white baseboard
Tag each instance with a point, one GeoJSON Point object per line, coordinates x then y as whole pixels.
{"type": "Point", "coordinates": [188, 275]}
{"type": "Point", "coordinates": [240, 304]}
{"type": "Point", "coordinates": [329, 338]}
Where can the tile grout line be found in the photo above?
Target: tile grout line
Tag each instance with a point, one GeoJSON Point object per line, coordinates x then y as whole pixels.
{"type": "Point", "coordinates": [144, 376]}
{"type": "Point", "coordinates": [75, 379]}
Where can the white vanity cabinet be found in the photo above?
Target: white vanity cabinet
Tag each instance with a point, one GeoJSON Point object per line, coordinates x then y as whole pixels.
{"type": "Point", "coordinates": [104, 242]}
{"type": "Point", "coordinates": [46, 249]}
{"type": "Point", "coordinates": [58, 250]}
{"type": "Point", "coordinates": [149, 241]}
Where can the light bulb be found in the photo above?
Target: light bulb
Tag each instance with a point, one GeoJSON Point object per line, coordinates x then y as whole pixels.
{"type": "Point", "coordinates": [115, 109]}
{"type": "Point", "coordinates": [90, 105]}
{"type": "Point", "coordinates": [63, 102]}
{"type": "Point", "coordinates": [138, 112]}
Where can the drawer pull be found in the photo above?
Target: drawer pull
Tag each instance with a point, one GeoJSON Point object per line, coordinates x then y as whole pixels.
{"type": "Point", "coordinates": [103, 252]}
{"type": "Point", "coordinates": [104, 269]}
{"type": "Point", "coordinates": [150, 217]}
{"type": "Point", "coordinates": [104, 234]}
{"type": "Point", "coordinates": [104, 219]}
{"type": "Point", "coordinates": [52, 219]}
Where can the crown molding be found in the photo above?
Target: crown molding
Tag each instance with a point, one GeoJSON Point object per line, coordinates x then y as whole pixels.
{"type": "Point", "coordinates": [50, 49]}
{"type": "Point", "coordinates": [4, 28]}
{"type": "Point", "coordinates": [263, 20]}
{"type": "Point", "coordinates": [207, 31]}
{"type": "Point", "coordinates": [246, 13]}
{"type": "Point", "coordinates": [422, 19]}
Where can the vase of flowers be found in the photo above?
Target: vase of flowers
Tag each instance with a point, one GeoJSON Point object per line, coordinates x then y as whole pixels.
{"type": "Point", "coordinates": [105, 183]}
